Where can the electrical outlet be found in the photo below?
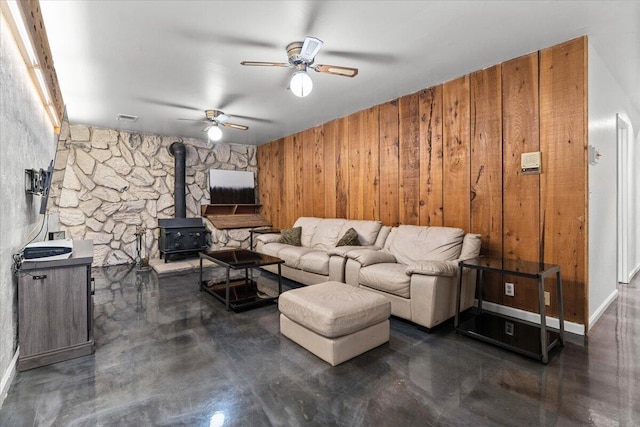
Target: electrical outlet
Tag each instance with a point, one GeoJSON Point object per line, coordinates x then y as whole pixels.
{"type": "Point", "coordinates": [509, 289]}
{"type": "Point", "coordinates": [547, 298]}
{"type": "Point", "coordinates": [508, 328]}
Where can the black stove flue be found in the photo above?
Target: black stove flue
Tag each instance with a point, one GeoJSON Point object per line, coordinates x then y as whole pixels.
{"type": "Point", "coordinates": [180, 235]}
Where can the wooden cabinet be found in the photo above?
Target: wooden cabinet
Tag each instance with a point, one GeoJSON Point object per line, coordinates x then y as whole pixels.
{"type": "Point", "coordinates": [230, 216]}
{"type": "Point", "coordinates": [55, 309]}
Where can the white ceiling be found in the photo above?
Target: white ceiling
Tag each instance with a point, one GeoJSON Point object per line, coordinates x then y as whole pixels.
{"type": "Point", "coordinates": [164, 60]}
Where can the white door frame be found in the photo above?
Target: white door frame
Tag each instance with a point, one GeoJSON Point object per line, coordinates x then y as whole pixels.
{"type": "Point", "coordinates": [622, 143]}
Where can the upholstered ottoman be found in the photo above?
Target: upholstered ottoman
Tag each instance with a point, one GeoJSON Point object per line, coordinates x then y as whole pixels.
{"type": "Point", "coordinates": [334, 321]}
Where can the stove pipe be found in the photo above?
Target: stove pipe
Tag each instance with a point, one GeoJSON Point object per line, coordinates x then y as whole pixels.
{"type": "Point", "coordinates": [178, 150]}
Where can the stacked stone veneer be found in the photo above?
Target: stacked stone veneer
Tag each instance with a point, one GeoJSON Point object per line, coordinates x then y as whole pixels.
{"type": "Point", "coordinates": [109, 184]}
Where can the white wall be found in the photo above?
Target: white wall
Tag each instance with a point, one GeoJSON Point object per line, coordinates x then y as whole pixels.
{"type": "Point", "coordinates": [27, 141]}
{"type": "Point", "coordinates": [606, 99]}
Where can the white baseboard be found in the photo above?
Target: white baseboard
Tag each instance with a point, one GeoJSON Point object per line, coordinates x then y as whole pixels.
{"type": "Point", "coordinates": [634, 272]}
{"type": "Point", "coordinates": [600, 310]}
{"type": "Point", "coordinates": [8, 377]}
{"type": "Point", "coordinates": [574, 328]}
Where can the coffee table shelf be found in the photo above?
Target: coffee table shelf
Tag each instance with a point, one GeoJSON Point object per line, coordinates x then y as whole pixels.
{"type": "Point", "coordinates": [238, 294]}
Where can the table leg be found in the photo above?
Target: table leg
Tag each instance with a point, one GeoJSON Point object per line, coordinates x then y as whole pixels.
{"type": "Point", "coordinates": [200, 273]}
{"type": "Point", "coordinates": [543, 320]}
{"type": "Point", "coordinates": [458, 291]}
{"type": "Point", "coordinates": [226, 291]}
{"type": "Point", "coordinates": [479, 280]}
{"type": "Point", "coordinates": [279, 280]}
{"type": "Point", "coordinates": [560, 307]}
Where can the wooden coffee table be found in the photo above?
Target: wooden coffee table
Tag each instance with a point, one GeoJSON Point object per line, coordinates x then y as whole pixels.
{"type": "Point", "coordinates": [239, 294]}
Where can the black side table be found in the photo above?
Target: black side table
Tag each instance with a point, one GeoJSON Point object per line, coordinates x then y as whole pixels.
{"type": "Point", "coordinates": [530, 339]}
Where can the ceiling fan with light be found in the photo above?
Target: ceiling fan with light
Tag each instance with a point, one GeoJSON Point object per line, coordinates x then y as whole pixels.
{"type": "Point", "coordinates": [214, 119]}
{"type": "Point", "coordinates": [301, 57]}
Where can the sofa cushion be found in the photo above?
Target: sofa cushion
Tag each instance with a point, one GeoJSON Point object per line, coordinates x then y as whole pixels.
{"type": "Point", "coordinates": [333, 309]}
{"type": "Point", "coordinates": [350, 238]}
{"type": "Point", "coordinates": [291, 236]}
{"type": "Point", "coordinates": [390, 278]}
{"type": "Point", "coordinates": [433, 268]}
{"type": "Point", "coordinates": [412, 244]}
{"type": "Point", "coordinates": [315, 262]}
{"type": "Point", "coordinates": [308, 225]}
{"type": "Point", "coordinates": [367, 230]}
{"type": "Point", "coordinates": [327, 233]}
{"type": "Point", "coordinates": [273, 248]}
{"type": "Point", "coordinates": [470, 247]}
{"type": "Point", "coordinates": [292, 254]}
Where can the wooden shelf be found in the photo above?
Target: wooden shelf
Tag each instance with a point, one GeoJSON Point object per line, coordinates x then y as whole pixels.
{"type": "Point", "coordinates": [230, 216]}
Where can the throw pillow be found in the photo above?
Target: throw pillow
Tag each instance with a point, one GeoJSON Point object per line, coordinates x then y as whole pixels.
{"type": "Point", "coordinates": [350, 238]}
{"type": "Point", "coordinates": [291, 236]}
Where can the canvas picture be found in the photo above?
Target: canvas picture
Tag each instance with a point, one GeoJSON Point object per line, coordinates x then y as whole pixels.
{"type": "Point", "coordinates": [231, 187]}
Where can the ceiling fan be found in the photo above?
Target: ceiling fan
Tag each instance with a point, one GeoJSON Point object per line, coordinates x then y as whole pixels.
{"type": "Point", "coordinates": [215, 119]}
{"type": "Point", "coordinates": [302, 56]}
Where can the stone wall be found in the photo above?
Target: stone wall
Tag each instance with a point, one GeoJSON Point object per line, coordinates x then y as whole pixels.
{"type": "Point", "coordinates": [117, 183]}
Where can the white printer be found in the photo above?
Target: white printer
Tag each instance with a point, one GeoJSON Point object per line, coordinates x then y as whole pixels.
{"type": "Point", "coordinates": [48, 250]}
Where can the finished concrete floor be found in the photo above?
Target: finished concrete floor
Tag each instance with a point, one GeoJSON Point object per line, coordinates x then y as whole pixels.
{"type": "Point", "coordinates": [167, 354]}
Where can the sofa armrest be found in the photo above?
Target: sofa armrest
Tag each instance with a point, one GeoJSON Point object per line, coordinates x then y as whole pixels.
{"type": "Point", "coordinates": [344, 250]}
{"type": "Point", "coordinates": [267, 238]}
{"type": "Point", "coordinates": [370, 256]}
{"type": "Point", "coordinates": [433, 268]}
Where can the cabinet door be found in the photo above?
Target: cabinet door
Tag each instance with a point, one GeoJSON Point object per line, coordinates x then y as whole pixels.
{"type": "Point", "coordinates": [52, 309]}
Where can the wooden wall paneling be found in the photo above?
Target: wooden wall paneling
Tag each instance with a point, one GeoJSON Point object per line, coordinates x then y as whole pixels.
{"type": "Point", "coordinates": [521, 193]}
{"type": "Point", "coordinates": [456, 154]}
{"type": "Point", "coordinates": [308, 176]}
{"type": "Point", "coordinates": [409, 165]}
{"type": "Point", "coordinates": [342, 167]}
{"type": "Point", "coordinates": [431, 173]}
{"type": "Point", "coordinates": [564, 194]}
{"type": "Point", "coordinates": [318, 172]}
{"type": "Point", "coordinates": [288, 193]}
{"type": "Point", "coordinates": [298, 155]}
{"type": "Point", "coordinates": [330, 156]}
{"type": "Point", "coordinates": [389, 162]}
{"type": "Point", "coordinates": [486, 169]}
{"type": "Point", "coordinates": [274, 173]}
{"type": "Point", "coordinates": [370, 141]}
{"type": "Point", "coordinates": [281, 178]}
{"type": "Point", "coordinates": [364, 193]}
{"type": "Point", "coordinates": [264, 180]}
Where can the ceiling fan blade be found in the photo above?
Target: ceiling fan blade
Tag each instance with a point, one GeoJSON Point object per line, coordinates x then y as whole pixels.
{"type": "Point", "coordinates": [196, 120]}
{"type": "Point", "coordinates": [310, 48]}
{"type": "Point", "coordinates": [337, 70]}
{"type": "Point", "coordinates": [265, 64]}
{"type": "Point", "coordinates": [234, 126]}
{"type": "Point", "coordinates": [207, 128]}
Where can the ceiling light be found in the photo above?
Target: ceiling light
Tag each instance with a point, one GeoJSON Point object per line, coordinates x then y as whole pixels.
{"type": "Point", "coordinates": [301, 84]}
{"type": "Point", "coordinates": [214, 133]}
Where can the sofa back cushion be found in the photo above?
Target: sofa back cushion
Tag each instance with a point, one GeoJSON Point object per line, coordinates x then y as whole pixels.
{"type": "Point", "coordinates": [412, 244]}
{"type": "Point", "coordinates": [308, 225]}
{"type": "Point", "coordinates": [367, 230]}
{"type": "Point", "coordinates": [327, 233]}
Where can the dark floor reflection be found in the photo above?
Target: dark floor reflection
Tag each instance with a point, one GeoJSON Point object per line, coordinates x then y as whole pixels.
{"type": "Point", "coordinates": [167, 354]}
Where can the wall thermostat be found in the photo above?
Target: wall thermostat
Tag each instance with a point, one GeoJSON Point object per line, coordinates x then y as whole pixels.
{"type": "Point", "coordinates": [530, 163]}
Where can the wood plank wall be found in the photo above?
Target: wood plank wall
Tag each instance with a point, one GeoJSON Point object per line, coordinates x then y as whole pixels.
{"type": "Point", "coordinates": [450, 155]}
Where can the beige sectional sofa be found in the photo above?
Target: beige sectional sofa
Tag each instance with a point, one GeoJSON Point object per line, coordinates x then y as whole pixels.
{"type": "Point", "coordinates": [415, 267]}
{"type": "Point", "coordinates": [311, 262]}
{"type": "Point", "coordinates": [417, 271]}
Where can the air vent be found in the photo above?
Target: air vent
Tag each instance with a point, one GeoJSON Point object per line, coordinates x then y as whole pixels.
{"type": "Point", "coordinates": [127, 117]}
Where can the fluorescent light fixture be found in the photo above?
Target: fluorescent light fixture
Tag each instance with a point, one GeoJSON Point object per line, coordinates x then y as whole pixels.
{"type": "Point", "coordinates": [301, 84]}
{"type": "Point", "coordinates": [54, 115]}
{"type": "Point", "coordinates": [22, 31]}
{"type": "Point", "coordinates": [43, 85]}
{"type": "Point", "coordinates": [214, 133]}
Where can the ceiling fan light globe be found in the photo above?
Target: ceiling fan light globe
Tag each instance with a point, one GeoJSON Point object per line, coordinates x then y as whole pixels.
{"type": "Point", "coordinates": [214, 133]}
{"type": "Point", "coordinates": [301, 84]}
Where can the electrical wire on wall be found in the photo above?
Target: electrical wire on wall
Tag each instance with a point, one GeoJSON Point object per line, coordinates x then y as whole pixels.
{"type": "Point", "coordinates": [17, 257]}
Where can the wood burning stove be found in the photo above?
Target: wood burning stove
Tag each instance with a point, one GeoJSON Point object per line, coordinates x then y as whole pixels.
{"type": "Point", "coordinates": [181, 235]}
